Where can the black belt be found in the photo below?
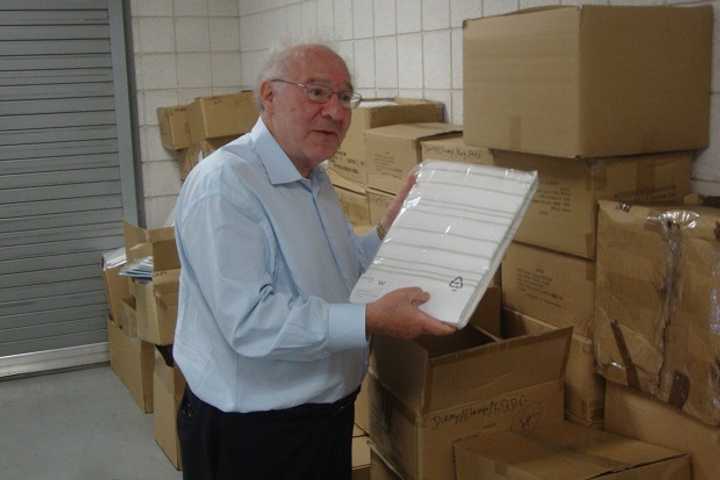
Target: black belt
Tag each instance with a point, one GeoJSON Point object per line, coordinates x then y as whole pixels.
{"type": "Point", "coordinates": [304, 410]}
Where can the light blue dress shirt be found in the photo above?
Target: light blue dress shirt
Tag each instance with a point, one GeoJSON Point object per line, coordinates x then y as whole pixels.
{"type": "Point", "coordinates": [268, 262]}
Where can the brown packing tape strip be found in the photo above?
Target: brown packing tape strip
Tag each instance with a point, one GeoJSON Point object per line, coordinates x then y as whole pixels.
{"type": "Point", "coordinates": [597, 174]}
{"type": "Point", "coordinates": [633, 380]}
{"type": "Point", "coordinates": [679, 390]}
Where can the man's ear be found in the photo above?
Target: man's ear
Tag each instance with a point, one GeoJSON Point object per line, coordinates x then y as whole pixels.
{"type": "Point", "coordinates": [267, 95]}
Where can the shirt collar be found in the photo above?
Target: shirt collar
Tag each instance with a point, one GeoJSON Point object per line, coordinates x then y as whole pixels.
{"type": "Point", "coordinates": [278, 165]}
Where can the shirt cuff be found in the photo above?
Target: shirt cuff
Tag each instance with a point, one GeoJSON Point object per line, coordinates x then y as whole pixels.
{"type": "Point", "coordinates": [347, 326]}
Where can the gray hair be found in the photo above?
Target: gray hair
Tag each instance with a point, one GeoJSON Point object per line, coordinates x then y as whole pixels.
{"type": "Point", "coordinates": [278, 63]}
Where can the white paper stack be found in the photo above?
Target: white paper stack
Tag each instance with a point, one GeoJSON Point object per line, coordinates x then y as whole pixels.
{"type": "Point", "coordinates": [450, 237]}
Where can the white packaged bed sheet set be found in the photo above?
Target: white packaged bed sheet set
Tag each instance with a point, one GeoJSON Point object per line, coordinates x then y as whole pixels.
{"type": "Point", "coordinates": [450, 237]}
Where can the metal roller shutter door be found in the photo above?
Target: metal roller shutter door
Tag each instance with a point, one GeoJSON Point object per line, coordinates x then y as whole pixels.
{"type": "Point", "coordinates": [66, 177]}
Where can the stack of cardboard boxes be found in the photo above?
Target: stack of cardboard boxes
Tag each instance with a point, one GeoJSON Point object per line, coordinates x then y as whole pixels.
{"type": "Point", "coordinates": [194, 131]}
{"type": "Point", "coordinates": [605, 103]}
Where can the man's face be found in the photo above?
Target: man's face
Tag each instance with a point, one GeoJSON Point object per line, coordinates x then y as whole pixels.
{"type": "Point", "coordinates": [309, 132]}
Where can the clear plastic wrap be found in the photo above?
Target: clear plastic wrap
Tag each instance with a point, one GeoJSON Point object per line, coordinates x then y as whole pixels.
{"type": "Point", "coordinates": [450, 236]}
{"type": "Point", "coordinates": [657, 306]}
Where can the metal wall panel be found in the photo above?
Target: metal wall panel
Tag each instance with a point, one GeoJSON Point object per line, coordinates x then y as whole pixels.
{"type": "Point", "coordinates": [66, 171]}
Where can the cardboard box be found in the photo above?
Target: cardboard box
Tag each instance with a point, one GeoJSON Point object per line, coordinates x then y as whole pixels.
{"type": "Point", "coordinates": [552, 287]}
{"type": "Point", "coordinates": [350, 159]}
{"type": "Point", "coordinates": [656, 303]}
{"type": "Point", "coordinates": [635, 415]}
{"type": "Point", "coordinates": [454, 149]}
{"type": "Point", "coordinates": [222, 116]}
{"type": "Point", "coordinates": [584, 387]}
{"type": "Point", "coordinates": [174, 127]}
{"type": "Point", "coordinates": [128, 318]}
{"type": "Point", "coordinates": [353, 198]}
{"type": "Point", "coordinates": [360, 456]}
{"type": "Point", "coordinates": [380, 469]}
{"type": "Point", "coordinates": [362, 413]}
{"type": "Point", "coordinates": [156, 300]}
{"type": "Point", "coordinates": [198, 151]}
{"type": "Point", "coordinates": [569, 452]}
{"type": "Point", "coordinates": [132, 361]}
{"type": "Point", "coordinates": [562, 215]}
{"type": "Point", "coordinates": [393, 152]}
{"type": "Point", "coordinates": [378, 202]}
{"type": "Point", "coordinates": [427, 394]}
{"type": "Point", "coordinates": [589, 81]}
{"type": "Point", "coordinates": [168, 389]}
{"type": "Point", "coordinates": [116, 288]}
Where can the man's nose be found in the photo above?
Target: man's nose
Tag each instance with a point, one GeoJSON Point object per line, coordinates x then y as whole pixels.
{"type": "Point", "coordinates": [334, 108]}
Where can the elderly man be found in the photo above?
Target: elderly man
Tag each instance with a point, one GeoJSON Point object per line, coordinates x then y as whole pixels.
{"type": "Point", "coordinates": [272, 351]}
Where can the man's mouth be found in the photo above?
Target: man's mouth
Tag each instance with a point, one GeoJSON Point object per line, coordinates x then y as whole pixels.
{"type": "Point", "coordinates": [327, 133]}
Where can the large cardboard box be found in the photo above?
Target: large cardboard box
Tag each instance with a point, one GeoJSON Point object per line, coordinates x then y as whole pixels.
{"type": "Point", "coordinates": [656, 303]}
{"type": "Point", "coordinates": [116, 288]}
{"type": "Point", "coordinates": [379, 467]}
{"type": "Point", "coordinates": [589, 81]}
{"type": "Point", "coordinates": [378, 202]}
{"type": "Point", "coordinates": [168, 389]}
{"type": "Point", "coordinates": [132, 361]}
{"type": "Point", "coordinates": [353, 198]}
{"type": "Point", "coordinates": [563, 212]}
{"type": "Point", "coordinates": [453, 148]}
{"type": "Point", "coordinates": [393, 152]}
{"type": "Point", "coordinates": [360, 455]}
{"type": "Point", "coordinates": [197, 152]}
{"type": "Point", "coordinates": [128, 317]}
{"type": "Point", "coordinates": [427, 394]}
{"type": "Point", "coordinates": [350, 159]}
{"type": "Point", "coordinates": [174, 127]}
{"type": "Point", "coordinates": [584, 387]}
{"type": "Point", "coordinates": [552, 287]}
{"type": "Point", "coordinates": [636, 415]}
{"type": "Point", "coordinates": [222, 116]}
{"type": "Point", "coordinates": [569, 452]}
{"type": "Point", "coordinates": [156, 300]}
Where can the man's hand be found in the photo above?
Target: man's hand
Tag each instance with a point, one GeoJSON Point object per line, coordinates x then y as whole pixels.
{"type": "Point", "coordinates": [396, 314]}
{"type": "Point", "coordinates": [397, 202]}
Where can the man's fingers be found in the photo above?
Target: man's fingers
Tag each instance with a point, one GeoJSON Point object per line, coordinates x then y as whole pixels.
{"type": "Point", "coordinates": [436, 327]}
{"type": "Point", "coordinates": [418, 297]}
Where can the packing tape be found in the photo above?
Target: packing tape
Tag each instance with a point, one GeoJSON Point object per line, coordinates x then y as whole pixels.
{"type": "Point", "coordinates": [597, 178]}
{"type": "Point", "coordinates": [633, 380]}
{"type": "Point", "coordinates": [679, 390]}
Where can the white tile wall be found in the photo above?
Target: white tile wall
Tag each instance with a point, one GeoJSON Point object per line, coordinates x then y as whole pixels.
{"type": "Point", "coordinates": [193, 34]}
{"type": "Point", "coordinates": [409, 16]}
{"type": "Point", "coordinates": [161, 178]}
{"type": "Point", "coordinates": [436, 59]}
{"type": "Point", "coordinates": [384, 12]}
{"type": "Point", "coordinates": [224, 34]}
{"type": "Point", "coordinates": [410, 60]}
{"type": "Point", "coordinates": [189, 48]}
{"type": "Point", "coordinates": [462, 9]}
{"type": "Point", "coordinates": [362, 11]}
{"type": "Point", "coordinates": [191, 8]}
{"type": "Point", "coordinates": [386, 62]}
{"type": "Point", "coordinates": [435, 14]}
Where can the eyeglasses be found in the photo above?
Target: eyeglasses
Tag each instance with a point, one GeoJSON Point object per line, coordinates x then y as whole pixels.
{"type": "Point", "coordinates": [317, 93]}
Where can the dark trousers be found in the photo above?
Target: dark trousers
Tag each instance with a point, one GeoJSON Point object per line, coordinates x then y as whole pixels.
{"type": "Point", "coordinates": [311, 441]}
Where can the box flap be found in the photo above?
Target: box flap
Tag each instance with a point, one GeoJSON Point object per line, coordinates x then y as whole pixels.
{"type": "Point", "coordinates": [339, 181]}
{"type": "Point", "coordinates": [433, 373]}
{"type": "Point", "coordinates": [497, 367]}
{"type": "Point", "coordinates": [414, 131]}
{"type": "Point", "coordinates": [561, 451]}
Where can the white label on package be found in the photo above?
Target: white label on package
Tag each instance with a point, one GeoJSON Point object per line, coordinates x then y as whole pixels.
{"type": "Point", "coordinates": [450, 237]}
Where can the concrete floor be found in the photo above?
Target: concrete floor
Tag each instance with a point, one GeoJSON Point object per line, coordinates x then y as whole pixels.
{"type": "Point", "coordinates": [76, 425]}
